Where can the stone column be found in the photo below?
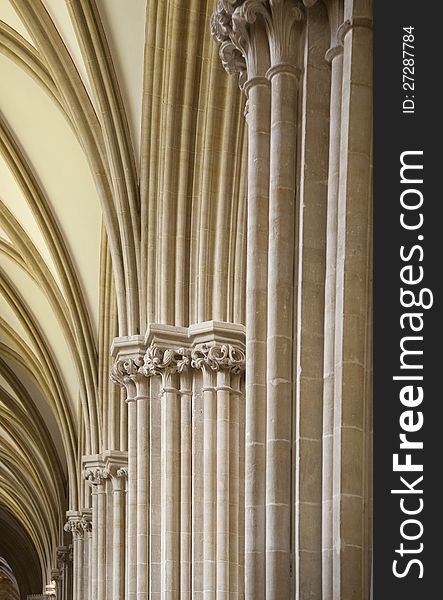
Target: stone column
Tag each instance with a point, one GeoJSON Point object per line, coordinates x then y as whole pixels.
{"type": "Point", "coordinates": [131, 502]}
{"type": "Point", "coordinates": [257, 89]}
{"type": "Point", "coordinates": [185, 485]}
{"type": "Point", "coordinates": [221, 362]}
{"type": "Point", "coordinates": [164, 358]}
{"type": "Point", "coordinates": [116, 466]}
{"type": "Point", "coordinates": [352, 389]}
{"type": "Point", "coordinates": [96, 475]}
{"type": "Point", "coordinates": [157, 363]}
{"type": "Point", "coordinates": [64, 563]}
{"type": "Point", "coordinates": [86, 525]}
{"type": "Point", "coordinates": [283, 75]}
{"type": "Point", "coordinates": [335, 58]}
{"type": "Point", "coordinates": [253, 36]}
{"type": "Point", "coordinates": [209, 484]}
{"type": "Point", "coordinates": [74, 527]}
{"type": "Point", "coordinates": [128, 353]}
{"type": "Point", "coordinates": [142, 405]}
{"type": "Point", "coordinates": [176, 355]}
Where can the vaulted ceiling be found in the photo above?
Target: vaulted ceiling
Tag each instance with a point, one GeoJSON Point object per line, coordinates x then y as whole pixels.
{"type": "Point", "coordinates": [51, 247]}
{"type": "Point", "coordinates": [122, 202]}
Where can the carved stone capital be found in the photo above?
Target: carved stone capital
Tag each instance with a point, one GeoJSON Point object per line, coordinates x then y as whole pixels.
{"type": "Point", "coordinates": [234, 26]}
{"type": "Point", "coordinates": [122, 473]}
{"type": "Point", "coordinates": [96, 476]}
{"type": "Point", "coordinates": [163, 361]}
{"type": "Point", "coordinates": [125, 371]}
{"type": "Point", "coordinates": [229, 27]}
{"type": "Point", "coordinates": [86, 523]}
{"type": "Point", "coordinates": [219, 356]}
{"type": "Point", "coordinates": [74, 526]}
{"type": "Point", "coordinates": [115, 467]}
{"type": "Point", "coordinates": [170, 351]}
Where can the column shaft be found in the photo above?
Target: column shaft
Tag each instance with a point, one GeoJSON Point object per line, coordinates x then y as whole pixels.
{"type": "Point", "coordinates": [88, 566]}
{"type": "Point", "coordinates": [236, 487]}
{"type": "Point", "coordinates": [170, 407]}
{"type": "Point", "coordinates": [118, 541]}
{"type": "Point", "coordinates": [94, 547]}
{"type": "Point", "coordinates": [256, 325]}
{"type": "Point", "coordinates": [280, 331]}
{"type": "Point", "coordinates": [329, 324]}
{"type": "Point", "coordinates": [76, 565]}
{"type": "Point", "coordinates": [101, 542]}
{"type": "Point", "coordinates": [80, 569]}
{"type": "Point", "coordinates": [185, 488]}
{"type": "Point", "coordinates": [311, 217]}
{"type": "Point", "coordinates": [142, 404]}
{"type": "Point", "coordinates": [223, 485]}
{"type": "Point", "coordinates": [131, 544]}
{"type": "Point", "coordinates": [352, 390]}
{"type": "Point", "coordinates": [209, 488]}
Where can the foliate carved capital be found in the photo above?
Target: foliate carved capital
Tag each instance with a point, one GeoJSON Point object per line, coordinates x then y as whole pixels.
{"type": "Point", "coordinates": [232, 27]}
{"type": "Point", "coordinates": [74, 526]}
{"type": "Point", "coordinates": [125, 371]}
{"type": "Point", "coordinates": [118, 475]}
{"type": "Point", "coordinates": [96, 476]}
{"type": "Point", "coordinates": [166, 361]}
{"type": "Point", "coordinates": [229, 27]}
{"type": "Point", "coordinates": [122, 473]}
{"type": "Point", "coordinates": [115, 471]}
{"type": "Point", "coordinates": [85, 524]}
{"type": "Point", "coordinates": [219, 356]}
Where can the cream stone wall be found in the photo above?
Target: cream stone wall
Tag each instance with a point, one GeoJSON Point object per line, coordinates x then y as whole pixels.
{"type": "Point", "coordinates": [214, 426]}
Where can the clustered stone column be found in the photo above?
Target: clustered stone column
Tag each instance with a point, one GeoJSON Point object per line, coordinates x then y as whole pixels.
{"type": "Point", "coordinates": [270, 43]}
{"type": "Point", "coordinates": [126, 373]}
{"type": "Point", "coordinates": [63, 574]}
{"type": "Point", "coordinates": [95, 476]}
{"type": "Point", "coordinates": [188, 440]}
{"type": "Point", "coordinates": [98, 534]}
{"type": "Point", "coordinates": [221, 366]}
{"type": "Point", "coordinates": [261, 41]}
{"type": "Point", "coordinates": [78, 525]}
{"type": "Point", "coordinates": [118, 476]}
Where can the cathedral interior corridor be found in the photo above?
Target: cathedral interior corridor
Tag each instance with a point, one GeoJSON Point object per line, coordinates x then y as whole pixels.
{"type": "Point", "coordinates": [185, 299]}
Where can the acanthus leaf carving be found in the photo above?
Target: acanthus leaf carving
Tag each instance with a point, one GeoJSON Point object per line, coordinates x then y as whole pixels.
{"type": "Point", "coordinates": [160, 361]}
{"type": "Point", "coordinates": [231, 27]}
{"type": "Point", "coordinates": [125, 370]}
{"type": "Point", "coordinates": [219, 356]}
